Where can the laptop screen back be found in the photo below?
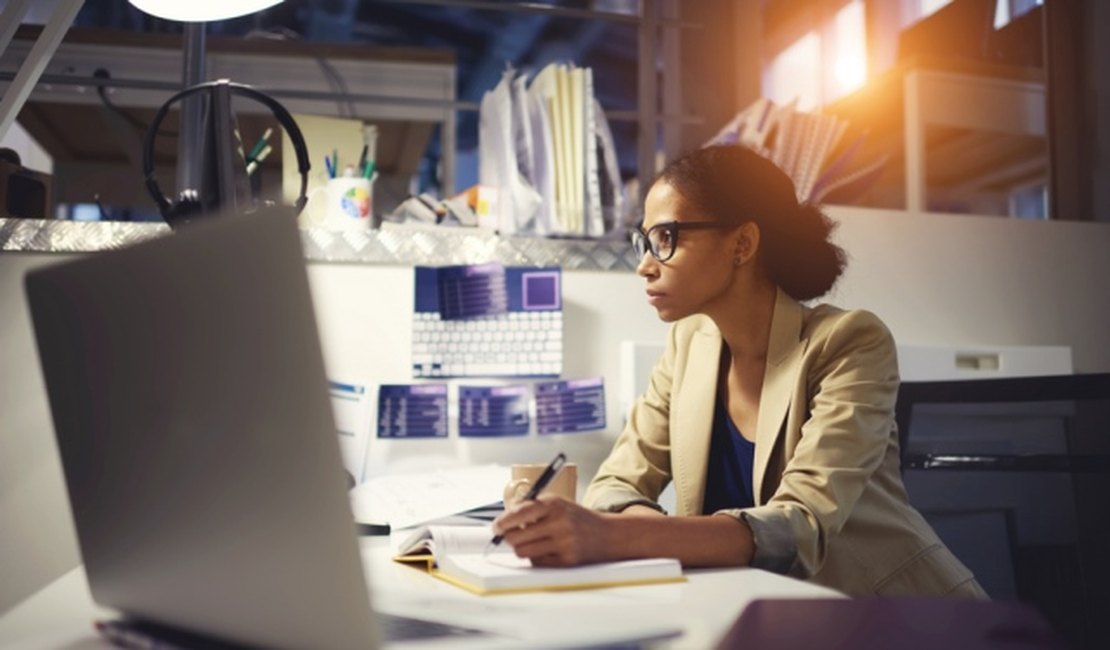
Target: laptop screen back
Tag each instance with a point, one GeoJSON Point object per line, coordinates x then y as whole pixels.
{"type": "Point", "coordinates": [190, 403]}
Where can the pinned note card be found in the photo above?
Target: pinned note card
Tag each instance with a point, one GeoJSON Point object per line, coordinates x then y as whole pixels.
{"type": "Point", "coordinates": [570, 406]}
{"type": "Point", "coordinates": [412, 411]}
{"type": "Point", "coordinates": [350, 404]}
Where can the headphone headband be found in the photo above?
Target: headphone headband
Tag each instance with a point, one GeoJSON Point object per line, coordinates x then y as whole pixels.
{"type": "Point", "coordinates": [283, 116]}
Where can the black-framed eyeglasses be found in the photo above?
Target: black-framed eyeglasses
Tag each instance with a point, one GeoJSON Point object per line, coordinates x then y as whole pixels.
{"type": "Point", "coordinates": [662, 238]}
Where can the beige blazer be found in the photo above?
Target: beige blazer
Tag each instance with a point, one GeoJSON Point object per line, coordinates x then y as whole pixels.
{"type": "Point", "coordinates": [829, 501]}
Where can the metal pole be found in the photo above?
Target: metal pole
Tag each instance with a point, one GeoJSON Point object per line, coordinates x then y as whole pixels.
{"type": "Point", "coordinates": [524, 7]}
{"type": "Point", "coordinates": [914, 138]}
{"type": "Point", "coordinates": [192, 109]}
{"type": "Point", "coordinates": [672, 82]}
{"type": "Point", "coordinates": [647, 96]}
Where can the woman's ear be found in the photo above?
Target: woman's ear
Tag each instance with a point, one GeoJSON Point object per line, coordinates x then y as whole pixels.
{"type": "Point", "coordinates": [747, 243]}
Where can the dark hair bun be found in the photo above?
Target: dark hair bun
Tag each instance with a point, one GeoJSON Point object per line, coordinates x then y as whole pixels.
{"type": "Point", "coordinates": [799, 256]}
{"type": "Point", "coordinates": [732, 183]}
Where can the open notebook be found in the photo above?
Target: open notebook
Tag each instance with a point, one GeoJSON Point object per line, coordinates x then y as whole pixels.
{"type": "Point", "coordinates": [457, 554]}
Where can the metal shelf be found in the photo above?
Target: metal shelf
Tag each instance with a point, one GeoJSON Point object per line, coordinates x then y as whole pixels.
{"type": "Point", "coordinates": [403, 245]}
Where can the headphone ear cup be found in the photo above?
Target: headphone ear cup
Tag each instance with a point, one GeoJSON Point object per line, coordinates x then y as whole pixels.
{"type": "Point", "coordinates": [183, 210]}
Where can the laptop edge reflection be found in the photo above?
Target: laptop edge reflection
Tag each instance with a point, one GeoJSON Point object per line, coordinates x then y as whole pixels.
{"type": "Point", "coordinates": [188, 392]}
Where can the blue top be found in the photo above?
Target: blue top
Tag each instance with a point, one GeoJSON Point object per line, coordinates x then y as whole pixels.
{"type": "Point", "coordinates": [728, 481]}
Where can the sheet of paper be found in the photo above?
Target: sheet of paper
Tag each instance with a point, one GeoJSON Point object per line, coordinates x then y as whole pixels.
{"type": "Point", "coordinates": [406, 500]}
{"type": "Point", "coordinates": [544, 162]}
{"type": "Point", "coordinates": [577, 134]}
{"type": "Point", "coordinates": [350, 405]}
{"type": "Point", "coordinates": [445, 536]}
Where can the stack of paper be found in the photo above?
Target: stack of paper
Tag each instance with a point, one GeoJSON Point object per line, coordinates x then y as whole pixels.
{"type": "Point", "coordinates": [461, 555]}
{"type": "Point", "coordinates": [547, 154]}
{"type": "Point", "coordinates": [807, 146]}
{"type": "Point", "coordinates": [406, 500]}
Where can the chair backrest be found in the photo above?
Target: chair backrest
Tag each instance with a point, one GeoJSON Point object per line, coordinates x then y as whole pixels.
{"type": "Point", "coordinates": [1056, 388]}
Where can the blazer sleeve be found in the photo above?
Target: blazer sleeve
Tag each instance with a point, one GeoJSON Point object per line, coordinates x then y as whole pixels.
{"type": "Point", "coordinates": [853, 386]}
{"type": "Point", "coordinates": [639, 465]}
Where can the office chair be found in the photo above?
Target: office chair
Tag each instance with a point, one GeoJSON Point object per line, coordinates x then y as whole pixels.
{"type": "Point", "coordinates": [1033, 452]}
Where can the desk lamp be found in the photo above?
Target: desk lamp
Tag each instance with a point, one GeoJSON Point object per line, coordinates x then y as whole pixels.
{"type": "Point", "coordinates": [195, 11]}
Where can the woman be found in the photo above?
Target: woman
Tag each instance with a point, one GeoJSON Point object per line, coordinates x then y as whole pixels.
{"type": "Point", "coordinates": [775, 420]}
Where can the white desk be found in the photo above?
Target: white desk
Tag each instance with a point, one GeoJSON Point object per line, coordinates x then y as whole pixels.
{"type": "Point", "coordinates": [60, 615]}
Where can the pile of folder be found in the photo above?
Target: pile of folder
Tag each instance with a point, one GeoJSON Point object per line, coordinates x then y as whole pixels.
{"type": "Point", "coordinates": [810, 147]}
{"type": "Point", "coordinates": [547, 161]}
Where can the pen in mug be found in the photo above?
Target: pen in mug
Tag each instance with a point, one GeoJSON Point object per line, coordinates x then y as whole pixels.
{"type": "Point", "coordinates": [548, 473]}
{"type": "Point", "coordinates": [257, 160]}
{"type": "Point", "coordinates": [362, 158]}
{"type": "Point", "coordinates": [262, 142]}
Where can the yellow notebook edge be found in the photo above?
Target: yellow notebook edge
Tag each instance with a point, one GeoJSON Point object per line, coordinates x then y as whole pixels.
{"type": "Point", "coordinates": [578, 586]}
{"type": "Point", "coordinates": [426, 562]}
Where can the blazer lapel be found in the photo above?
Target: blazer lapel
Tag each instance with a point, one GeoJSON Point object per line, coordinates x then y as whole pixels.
{"type": "Point", "coordinates": [692, 420]}
{"type": "Point", "coordinates": [784, 362]}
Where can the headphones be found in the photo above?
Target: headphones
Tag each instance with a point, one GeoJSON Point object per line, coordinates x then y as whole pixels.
{"type": "Point", "coordinates": [189, 203]}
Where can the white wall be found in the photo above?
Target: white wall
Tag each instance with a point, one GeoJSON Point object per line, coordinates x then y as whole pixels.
{"type": "Point", "coordinates": [963, 280]}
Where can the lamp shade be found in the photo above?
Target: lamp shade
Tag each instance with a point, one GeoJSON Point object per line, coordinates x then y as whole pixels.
{"type": "Point", "coordinates": [193, 11]}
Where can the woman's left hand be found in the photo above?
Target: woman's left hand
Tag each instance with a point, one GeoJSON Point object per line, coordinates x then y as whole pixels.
{"type": "Point", "coordinates": [551, 531]}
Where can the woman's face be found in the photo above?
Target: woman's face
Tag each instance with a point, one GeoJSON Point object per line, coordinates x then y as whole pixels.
{"type": "Point", "coordinates": [700, 270]}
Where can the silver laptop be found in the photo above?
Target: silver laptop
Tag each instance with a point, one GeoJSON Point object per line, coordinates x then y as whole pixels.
{"type": "Point", "coordinates": [189, 398]}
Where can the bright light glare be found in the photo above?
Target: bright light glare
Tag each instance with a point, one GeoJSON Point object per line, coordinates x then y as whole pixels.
{"type": "Point", "coordinates": [849, 65]}
{"type": "Point", "coordinates": [850, 72]}
{"type": "Point", "coordinates": [795, 74]}
{"type": "Point", "coordinates": [194, 11]}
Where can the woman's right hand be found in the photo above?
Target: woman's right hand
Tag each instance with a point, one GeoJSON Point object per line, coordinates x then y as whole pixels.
{"type": "Point", "coordinates": [552, 531]}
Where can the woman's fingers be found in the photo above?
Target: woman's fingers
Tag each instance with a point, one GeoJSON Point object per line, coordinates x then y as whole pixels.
{"type": "Point", "coordinates": [551, 532]}
{"type": "Point", "coordinates": [519, 516]}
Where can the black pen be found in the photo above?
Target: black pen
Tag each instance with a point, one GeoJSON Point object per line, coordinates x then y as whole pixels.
{"type": "Point", "coordinates": [362, 160]}
{"type": "Point", "coordinates": [537, 487]}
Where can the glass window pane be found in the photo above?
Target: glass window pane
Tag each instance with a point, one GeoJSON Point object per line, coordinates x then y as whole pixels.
{"type": "Point", "coordinates": [796, 74]}
{"type": "Point", "coordinates": [849, 66]}
{"type": "Point", "coordinates": [929, 6]}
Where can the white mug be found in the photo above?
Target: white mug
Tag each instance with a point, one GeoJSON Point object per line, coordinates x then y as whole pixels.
{"type": "Point", "coordinates": [348, 203]}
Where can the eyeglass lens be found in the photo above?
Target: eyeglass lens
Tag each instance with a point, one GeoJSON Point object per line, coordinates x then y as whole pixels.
{"type": "Point", "coordinates": [659, 239]}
